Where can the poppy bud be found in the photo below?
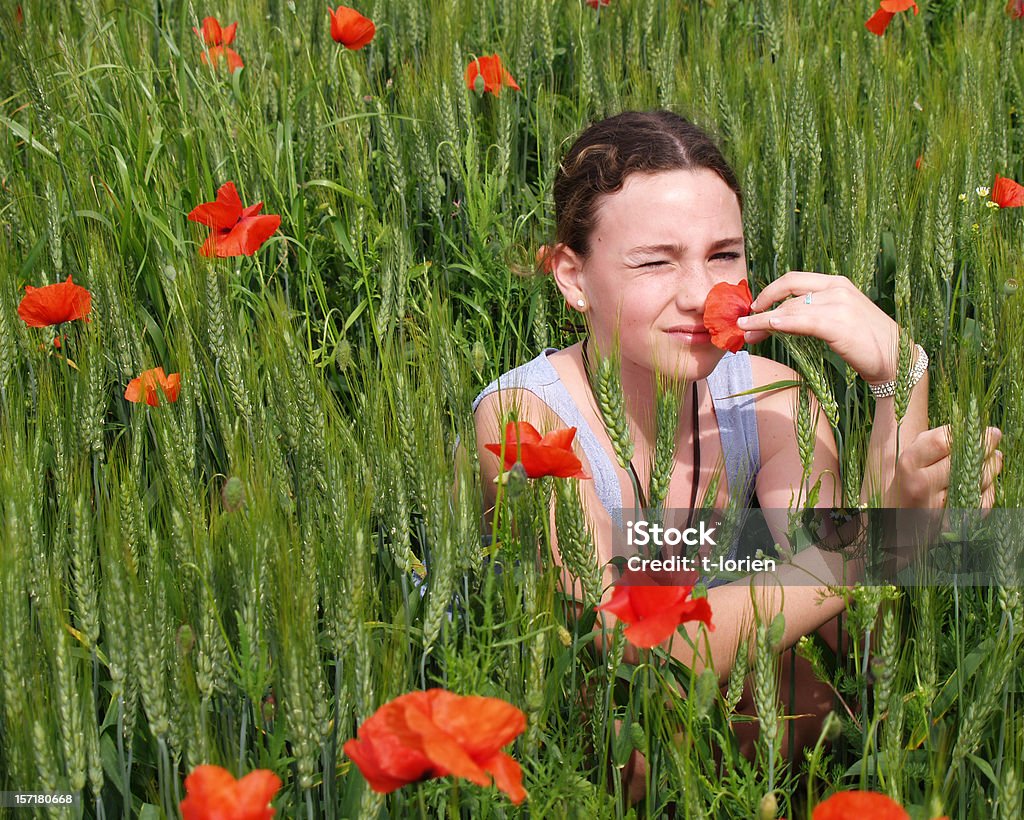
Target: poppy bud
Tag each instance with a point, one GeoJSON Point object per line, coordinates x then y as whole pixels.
{"type": "Point", "coordinates": [1010, 287]}
{"type": "Point", "coordinates": [479, 356]}
{"type": "Point", "coordinates": [343, 355]}
{"type": "Point", "coordinates": [638, 736]}
{"type": "Point", "coordinates": [515, 480]}
{"type": "Point", "coordinates": [768, 807]}
{"type": "Point", "coordinates": [707, 687]}
{"type": "Point", "coordinates": [269, 708]}
{"type": "Point", "coordinates": [185, 639]}
{"type": "Point", "coordinates": [233, 494]}
{"type": "Point", "coordinates": [479, 84]}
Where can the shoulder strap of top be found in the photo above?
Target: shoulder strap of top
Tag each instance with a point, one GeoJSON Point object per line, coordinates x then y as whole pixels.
{"type": "Point", "coordinates": [540, 378]}
{"type": "Point", "coordinates": [737, 421]}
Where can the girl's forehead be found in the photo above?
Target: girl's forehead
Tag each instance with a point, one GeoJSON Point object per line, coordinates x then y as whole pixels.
{"type": "Point", "coordinates": [674, 204]}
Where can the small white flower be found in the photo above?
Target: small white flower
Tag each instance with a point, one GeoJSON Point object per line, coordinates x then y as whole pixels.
{"type": "Point", "coordinates": [917, 104]}
{"type": "Point", "coordinates": [991, 204]}
{"type": "Point", "coordinates": [962, 197]}
{"type": "Point", "coordinates": [981, 191]}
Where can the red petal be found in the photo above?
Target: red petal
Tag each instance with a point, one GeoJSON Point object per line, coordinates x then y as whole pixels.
{"type": "Point", "coordinates": [620, 605]}
{"type": "Point", "coordinates": [480, 725]}
{"type": "Point", "coordinates": [228, 35]}
{"type": "Point", "coordinates": [507, 776]}
{"type": "Point", "coordinates": [855, 805]}
{"type": "Point", "coordinates": [350, 28]}
{"type": "Point", "coordinates": [211, 32]}
{"type": "Point", "coordinates": [253, 794]}
{"type": "Point", "coordinates": [1006, 193]}
{"type": "Point", "coordinates": [494, 74]}
{"type": "Point", "coordinates": [725, 304]}
{"type": "Point", "coordinates": [515, 432]}
{"type": "Point", "coordinates": [649, 632]}
{"type": "Point", "coordinates": [234, 60]}
{"type": "Point", "coordinates": [559, 438]}
{"type": "Point", "coordinates": [898, 5]}
{"type": "Point", "coordinates": [247, 236]}
{"type": "Point", "coordinates": [133, 392]}
{"type": "Point", "coordinates": [541, 461]}
{"type": "Point", "coordinates": [205, 788]}
{"type": "Point", "coordinates": [172, 387]}
{"type": "Point", "coordinates": [878, 22]}
{"type": "Point", "coordinates": [380, 757]}
{"type": "Point", "coordinates": [441, 749]}
{"type": "Point", "coordinates": [53, 304]}
{"type": "Point", "coordinates": [222, 213]}
{"type": "Point", "coordinates": [697, 609]}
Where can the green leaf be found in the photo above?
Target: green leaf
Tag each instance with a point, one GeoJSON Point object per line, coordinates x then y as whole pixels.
{"type": "Point", "coordinates": [21, 131]}
{"type": "Point", "coordinates": [985, 768]}
{"type": "Point", "coordinates": [779, 385]}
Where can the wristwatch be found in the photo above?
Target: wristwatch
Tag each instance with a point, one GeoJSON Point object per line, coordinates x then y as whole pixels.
{"type": "Point", "coordinates": [886, 389]}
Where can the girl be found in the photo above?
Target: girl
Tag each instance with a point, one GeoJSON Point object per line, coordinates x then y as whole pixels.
{"type": "Point", "coordinates": [648, 220]}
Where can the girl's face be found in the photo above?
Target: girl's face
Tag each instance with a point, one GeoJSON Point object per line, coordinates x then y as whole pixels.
{"type": "Point", "coordinates": [658, 246]}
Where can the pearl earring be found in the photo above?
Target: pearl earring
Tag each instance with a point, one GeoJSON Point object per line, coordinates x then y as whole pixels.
{"type": "Point", "coordinates": [580, 304]}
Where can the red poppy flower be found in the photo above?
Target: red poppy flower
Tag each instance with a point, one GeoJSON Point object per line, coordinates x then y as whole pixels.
{"type": "Point", "coordinates": [435, 734]}
{"type": "Point", "coordinates": [550, 455]}
{"type": "Point", "coordinates": [725, 304]}
{"type": "Point", "coordinates": [53, 304]}
{"type": "Point", "coordinates": [212, 793]}
{"type": "Point", "coordinates": [653, 612]}
{"type": "Point", "coordinates": [214, 35]}
{"type": "Point", "coordinates": [235, 231]}
{"type": "Point", "coordinates": [598, 3]}
{"type": "Point", "coordinates": [918, 161]}
{"type": "Point", "coordinates": [217, 40]}
{"type": "Point", "coordinates": [143, 387]}
{"type": "Point", "coordinates": [350, 28]}
{"type": "Point", "coordinates": [856, 805]}
{"type": "Point", "coordinates": [1006, 193]}
{"type": "Point", "coordinates": [493, 75]}
{"type": "Point", "coordinates": [879, 21]}
{"type": "Point", "coordinates": [1015, 8]}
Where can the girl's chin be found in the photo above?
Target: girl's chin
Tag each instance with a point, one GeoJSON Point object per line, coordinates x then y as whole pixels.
{"type": "Point", "coordinates": [692, 365]}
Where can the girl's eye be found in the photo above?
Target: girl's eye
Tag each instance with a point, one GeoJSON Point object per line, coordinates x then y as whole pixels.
{"type": "Point", "coordinates": [654, 264]}
{"type": "Point", "coordinates": [728, 256]}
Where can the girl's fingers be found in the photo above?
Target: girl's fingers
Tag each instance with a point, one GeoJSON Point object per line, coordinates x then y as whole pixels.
{"type": "Point", "coordinates": [796, 316]}
{"type": "Point", "coordinates": [993, 466]}
{"type": "Point", "coordinates": [993, 435]}
{"type": "Point", "coordinates": [752, 337]}
{"type": "Point", "coordinates": [793, 283]}
{"type": "Point", "coordinates": [930, 447]}
{"type": "Point", "coordinates": [988, 499]}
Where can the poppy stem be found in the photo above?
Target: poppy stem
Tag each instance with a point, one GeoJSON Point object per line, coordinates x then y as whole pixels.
{"type": "Point", "coordinates": [421, 800]}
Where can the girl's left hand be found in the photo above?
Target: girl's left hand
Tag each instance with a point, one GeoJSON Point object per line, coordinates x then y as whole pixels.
{"type": "Point", "coordinates": [838, 313]}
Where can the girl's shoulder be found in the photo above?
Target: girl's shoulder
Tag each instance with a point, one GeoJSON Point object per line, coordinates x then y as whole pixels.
{"type": "Point", "coordinates": [776, 409]}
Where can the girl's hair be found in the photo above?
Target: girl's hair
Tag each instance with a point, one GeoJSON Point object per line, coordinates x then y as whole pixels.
{"type": "Point", "coordinates": [634, 142]}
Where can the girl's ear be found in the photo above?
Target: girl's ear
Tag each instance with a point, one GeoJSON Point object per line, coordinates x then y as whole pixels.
{"type": "Point", "coordinates": [566, 267]}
